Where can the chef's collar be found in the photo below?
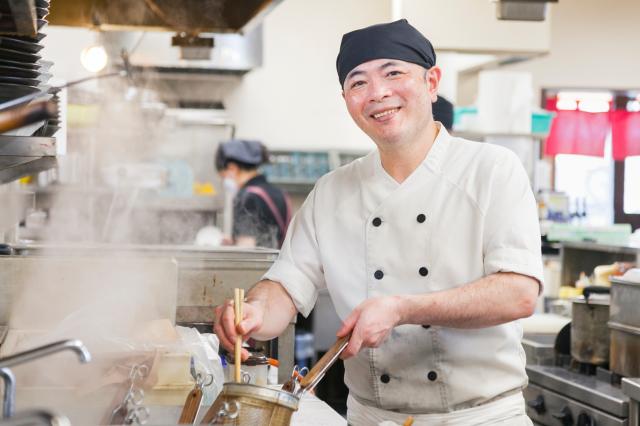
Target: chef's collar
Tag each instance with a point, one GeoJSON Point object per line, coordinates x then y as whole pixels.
{"type": "Point", "coordinates": [436, 154]}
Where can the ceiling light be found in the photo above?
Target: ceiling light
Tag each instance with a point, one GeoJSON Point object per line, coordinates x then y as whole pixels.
{"type": "Point", "coordinates": [94, 58]}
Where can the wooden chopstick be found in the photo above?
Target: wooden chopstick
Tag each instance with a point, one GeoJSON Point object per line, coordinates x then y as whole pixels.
{"type": "Point", "coordinates": [238, 298]}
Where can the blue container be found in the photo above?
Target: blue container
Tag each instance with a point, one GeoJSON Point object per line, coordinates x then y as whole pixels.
{"type": "Point", "coordinates": [541, 122]}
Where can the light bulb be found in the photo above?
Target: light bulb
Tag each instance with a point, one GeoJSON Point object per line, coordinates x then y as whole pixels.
{"type": "Point", "coordinates": [94, 58]}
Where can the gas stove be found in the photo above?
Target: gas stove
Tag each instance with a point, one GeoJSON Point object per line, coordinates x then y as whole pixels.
{"type": "Point", "coordinates": [580, 395]}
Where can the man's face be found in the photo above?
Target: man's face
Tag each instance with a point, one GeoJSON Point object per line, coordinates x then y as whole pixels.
{"type": "Point", "coordinates": [390, 100]}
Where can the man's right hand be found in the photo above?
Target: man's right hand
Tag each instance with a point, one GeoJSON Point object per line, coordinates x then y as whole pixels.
{"type": "Point", "coordinates": [226, 330]}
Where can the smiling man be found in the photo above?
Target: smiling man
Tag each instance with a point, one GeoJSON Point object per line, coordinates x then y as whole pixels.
{"type": "Point", "coordinates": [429, 247]}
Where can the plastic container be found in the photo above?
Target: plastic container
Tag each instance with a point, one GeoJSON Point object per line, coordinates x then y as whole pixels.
{"type": "Point", "coordinates": [541, 121]}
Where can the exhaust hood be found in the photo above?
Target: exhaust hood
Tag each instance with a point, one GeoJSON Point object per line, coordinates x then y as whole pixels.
{"type": "Point", "coordinates": [189, 16]}
{"type": "Point", "coordinates": [186, 36]}
{"type": "Point", "coordinates": [522, 10]}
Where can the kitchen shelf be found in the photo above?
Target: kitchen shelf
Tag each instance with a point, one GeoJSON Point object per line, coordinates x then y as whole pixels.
{"type": "Point", "coordinates": [24, 155]}
{"type": "Point", "coordinates": [147, 202]}
{"type": "Point", "coordinates": [194, 203]}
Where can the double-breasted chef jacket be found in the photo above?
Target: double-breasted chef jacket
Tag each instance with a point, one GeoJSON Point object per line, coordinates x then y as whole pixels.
{"type": "Point", "coordinates": [467, 211]}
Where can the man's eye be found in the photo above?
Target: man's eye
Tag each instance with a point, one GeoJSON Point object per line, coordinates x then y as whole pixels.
{"type": "Point", "coordinates": [357, 83]}
{"type": "Point", "coordinates": [393, 73]}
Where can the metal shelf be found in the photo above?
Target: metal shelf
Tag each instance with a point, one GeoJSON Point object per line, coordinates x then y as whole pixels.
{"type": "Point", "coordinates": [23, 155]}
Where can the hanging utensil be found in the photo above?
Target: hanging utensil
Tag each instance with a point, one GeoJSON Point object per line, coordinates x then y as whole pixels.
{"type": "Point", "coordinates": [194, 400]}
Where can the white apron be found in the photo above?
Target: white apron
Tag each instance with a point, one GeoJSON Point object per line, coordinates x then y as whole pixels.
{"type": "Point", "coordinates": [507, 411]}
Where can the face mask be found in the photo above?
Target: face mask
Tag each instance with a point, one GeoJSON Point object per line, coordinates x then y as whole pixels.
{"type": "Point", "coordinates": [230, 185]}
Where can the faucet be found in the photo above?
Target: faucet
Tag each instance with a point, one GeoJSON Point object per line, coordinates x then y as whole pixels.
{"type": "Point", "coordinates": [8, 403]}
{"type": "Point", "coordinates": [9, 400]}
{"type": "Point", "coordinates": [20, 358]}
{"type": "Point", "coordinates": [36, 417]}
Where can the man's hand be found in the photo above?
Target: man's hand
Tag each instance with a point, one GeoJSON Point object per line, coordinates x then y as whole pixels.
{"type": "Point", "coordinates": [370, 323]}
{"type": "Point", "coordinates": [226, 330]}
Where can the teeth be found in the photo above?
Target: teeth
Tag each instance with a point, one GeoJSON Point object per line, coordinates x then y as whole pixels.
{"type": "Point", "coordinates": [387, 112]}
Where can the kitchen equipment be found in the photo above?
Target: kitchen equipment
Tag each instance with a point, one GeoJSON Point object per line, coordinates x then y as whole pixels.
{"type": "Point", "coordinates": [194, 399]}
{"type": "Point", "coordinates": [569, 392]}
{"type": "Point", "coordinates": [131, 410]}
{"type": "Point", "coordinates": [262, 406]}
{"type": "Point", "coordinates": [624, 324]}
{"type": "Point", "coordinates": [254, 370]}
{"type": "Point", "coordinates": [559, 395]}
{"type": "Point", "coordinates": [589, 331]}
{"type": "Point", "coordinates": [294, 381]}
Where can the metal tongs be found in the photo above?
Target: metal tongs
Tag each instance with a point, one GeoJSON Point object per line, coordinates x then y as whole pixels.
{"type": "Point", "coordinates": [308, 382]}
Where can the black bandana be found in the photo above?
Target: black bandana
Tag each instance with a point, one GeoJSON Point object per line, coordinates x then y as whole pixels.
{"type": "Point", "coordinates": [395, 40]}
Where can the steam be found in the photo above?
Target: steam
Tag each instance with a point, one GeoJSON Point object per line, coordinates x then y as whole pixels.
{"type": "Point", "coordinates": [120, 304]}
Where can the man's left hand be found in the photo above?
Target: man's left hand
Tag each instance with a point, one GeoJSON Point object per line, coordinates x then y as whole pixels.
{"type": "Point", "coordinates": [370, 323]}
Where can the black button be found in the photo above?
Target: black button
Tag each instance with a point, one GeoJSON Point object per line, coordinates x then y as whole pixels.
{"type": "Point", "coordinates": [421, 218]}
{"type": "Point", "coordinates": [377, 222]}
{"type": "Point", "coordinates": [385, 378]}
{"type": "Point", "coordinates": [432, 376]}
{"type": "Point", "coordinates": [378, 274]}
{"type": "Point", "coordinates": [426, 326]}
{"type": "Point", "coordinates": [423, 271]}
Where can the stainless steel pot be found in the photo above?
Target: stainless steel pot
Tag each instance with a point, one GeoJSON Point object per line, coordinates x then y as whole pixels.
{"type": "Point", "coordinates": [624, 324]}
{"type": "Point", "coordinates": [625, 349]}
{"type": "Point", "coordinates": [589, 330]}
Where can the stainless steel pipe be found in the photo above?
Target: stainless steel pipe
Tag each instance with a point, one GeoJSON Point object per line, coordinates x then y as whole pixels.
{"type": "Point", "coordinates": [32, 354]}
{"type": "Point", "coordinates": [9, 398]}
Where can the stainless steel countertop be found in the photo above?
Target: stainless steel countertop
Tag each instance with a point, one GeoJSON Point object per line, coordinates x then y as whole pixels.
{"type": "Point", "coordinates": [631, 387]}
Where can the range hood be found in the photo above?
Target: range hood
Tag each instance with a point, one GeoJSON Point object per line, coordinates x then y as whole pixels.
{"type": "Point", "coordinates": [189, 16]}
{"type": "Point", "coordinates": [522, 10]}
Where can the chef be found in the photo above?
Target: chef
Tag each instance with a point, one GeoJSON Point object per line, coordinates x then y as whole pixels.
{"type": "Point", "coordinates": [261, 212]}
{"type": "Point", "coordinates": [429, 248]}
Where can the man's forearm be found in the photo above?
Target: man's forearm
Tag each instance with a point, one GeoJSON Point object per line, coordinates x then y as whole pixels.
{"type": "Point", "coordinates": [492, 300]}
{"type": "Point", "coordinates": [277, 306]}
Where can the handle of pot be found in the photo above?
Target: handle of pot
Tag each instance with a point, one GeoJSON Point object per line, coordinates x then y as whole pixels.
{"type": "Point", "coordinates": [594, 289]}
{"type": "Point", "coordinates": [311, 379]}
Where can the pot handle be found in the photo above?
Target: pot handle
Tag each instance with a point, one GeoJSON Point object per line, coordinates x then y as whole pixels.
{"type": "Point", "coordinates": [594, 289]}
{"type": "Point", "coordinates": [311, 379]}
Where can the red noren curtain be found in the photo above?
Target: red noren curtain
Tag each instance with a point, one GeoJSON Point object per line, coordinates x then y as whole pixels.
{"type": "Point", "coordinates": [625, 134]}
{"type": "Point", "coordinates": [578, 132]}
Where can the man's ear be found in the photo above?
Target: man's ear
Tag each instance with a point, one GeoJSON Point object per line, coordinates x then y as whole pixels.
{"type": "Point", "coordinates": [433, 76]}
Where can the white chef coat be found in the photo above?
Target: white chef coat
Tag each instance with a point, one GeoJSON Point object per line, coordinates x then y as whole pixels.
{"type": "Point", "coordinates": [466, 212]}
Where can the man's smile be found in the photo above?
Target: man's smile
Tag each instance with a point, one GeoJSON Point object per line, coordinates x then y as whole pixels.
{"type": "Point", "coordinates": [384, 115]}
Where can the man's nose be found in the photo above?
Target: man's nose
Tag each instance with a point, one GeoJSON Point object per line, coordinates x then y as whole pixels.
{"type": "Point", "coordinates": [378, 91]}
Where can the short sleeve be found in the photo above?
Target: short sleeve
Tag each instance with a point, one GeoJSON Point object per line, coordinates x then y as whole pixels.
{"type": "Point", "coordinates": [298, 267]}
{"type": "Point", "coordinates": [511, 237]}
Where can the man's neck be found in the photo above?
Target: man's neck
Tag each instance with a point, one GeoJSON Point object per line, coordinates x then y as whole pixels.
{"type": "Point", "coordinates": [400, 161]}
{"type": "Point", "coordinates": [245, 176]}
